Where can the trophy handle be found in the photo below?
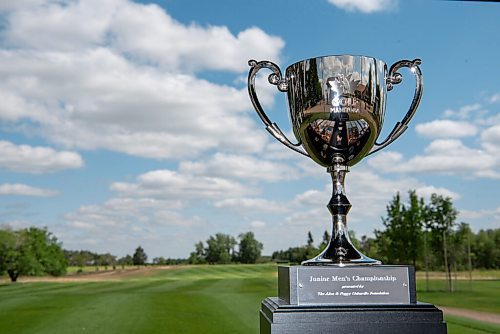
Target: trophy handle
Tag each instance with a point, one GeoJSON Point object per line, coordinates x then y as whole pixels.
{"type": "Point", "coordinates": [275, 78]}
{"type": "Point", "coordinates": [395, 78]}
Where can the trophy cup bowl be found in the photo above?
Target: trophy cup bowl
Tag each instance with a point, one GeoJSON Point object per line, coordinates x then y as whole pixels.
{"type": "Point", "coordinates": [337, 108]}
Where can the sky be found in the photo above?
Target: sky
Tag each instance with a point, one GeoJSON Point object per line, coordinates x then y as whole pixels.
{"type": "Point", "coordinates": [128, 123]}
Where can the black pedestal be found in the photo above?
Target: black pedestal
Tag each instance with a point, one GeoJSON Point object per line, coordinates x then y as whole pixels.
{"type": "Point", "coordinates": [279, 317]}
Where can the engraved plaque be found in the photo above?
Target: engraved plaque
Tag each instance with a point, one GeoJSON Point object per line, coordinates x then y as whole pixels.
{"type": "Point", "coordinates": [303, 285]}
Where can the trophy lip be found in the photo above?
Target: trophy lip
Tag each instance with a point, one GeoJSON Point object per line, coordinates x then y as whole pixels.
{"type": "Point", "coordinates": [337, 55]}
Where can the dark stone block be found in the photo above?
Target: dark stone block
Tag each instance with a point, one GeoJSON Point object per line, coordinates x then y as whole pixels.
{"type": "Point", "coordinates": [279, 317]}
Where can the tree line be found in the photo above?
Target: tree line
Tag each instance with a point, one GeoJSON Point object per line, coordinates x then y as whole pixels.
{"type": "Point", "coordinates": [424, 234]}
{"type": "Point", "coordinates": [223, 248]}
{"type": "Point", "coordinates": [36, 252]}
{"type": "Point", "coordinates": [427, 235]}
{"type": "Point", "coordinates": [85, 258]}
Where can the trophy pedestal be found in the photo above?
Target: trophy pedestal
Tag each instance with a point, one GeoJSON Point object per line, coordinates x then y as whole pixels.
{"type": "Point", "coordinates": [351, 299]}
{"type": "Point", "coordinates": [279, 317]}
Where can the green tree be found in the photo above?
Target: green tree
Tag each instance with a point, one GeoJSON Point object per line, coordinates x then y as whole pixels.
{"type": "Point", "coordinates": [310, 240]}
{"type": "Point", "coordinates": [159, 261]}
{"type": "Point", "coordinates": [220, 249]}
{"type": "Point", "coordinates": [13, 258]}
{"type": "Point", "coordinates": [298, 254]}
{"type": "Point", "coordinates": [31, 251]}
{"type": "Point", "coordinates": [107, 260]}
{"type": "Point", "coordinates": [441, 216]}
{"type": "Point", "coordinates": [324, 241]}
{"type": "Point", "coordinates": [127, 260]}
{"type": "Point", "coordinates": [403, 234]}
{"type": "Point", "coordinates": [369, 247]}
{"type": "Point", "coordinates": [486, 249]}
{"type": "Point", "coordinates": [415, 216]}
{"type": "Point", "coordinates": [355, 242]}
{"type": "Point", "coordinates": [80, 258]}
{"type": "Point", "coordinates": [48, 251]}
{"type": "Point", "coordinates": [198, 256]}
{"type": "Point", "coordinates": [139, 258]}
{"type": "Point", "coordinates": [310, 251]}
{"type": "Point", "coordinates": [249, 248]}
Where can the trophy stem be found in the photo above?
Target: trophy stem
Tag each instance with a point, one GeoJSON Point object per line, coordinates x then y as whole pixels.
{"type": "Point", "coordinates": [340, 250]}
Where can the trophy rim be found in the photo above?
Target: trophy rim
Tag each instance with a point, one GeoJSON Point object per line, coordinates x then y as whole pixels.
{"type": "Point", "coordinates": [337, 56]}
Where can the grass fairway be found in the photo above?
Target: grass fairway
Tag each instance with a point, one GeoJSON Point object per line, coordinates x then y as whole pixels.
{"type": "Point", "coordinates": [457, 325]}
{"type": "Point", "coordinates": [198, 299]}
{"type": "Point", "coordinates": [481, 296]}
{"type": "Point", "coordinates": [204, 299]}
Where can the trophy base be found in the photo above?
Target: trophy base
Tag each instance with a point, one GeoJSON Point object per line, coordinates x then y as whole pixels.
{"type": "Point", "coordinates": [349, 300]}
{"type": "Point", "coordinates": [279, 317]}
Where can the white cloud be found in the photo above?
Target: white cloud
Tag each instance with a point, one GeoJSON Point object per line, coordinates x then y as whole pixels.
{"type": "Point", "coordinates": [495, 98]}
{"type": "Point", "coordinates": [369, 194]}
{"type": "Point", "coordinates": [168, 184]}
{"type": "Point", "coordinates": [482, 215]}
{"type": "Point", "coordinates": [446, 156]}
{"type": "Point", "coordinates": [121, 213]}
{"type": "Point", "coordinates": [25, 190]}
{"type": "Point", "coordinates": [16, 224]}
{"type": "Point", "coordinates": [252, 205]}
{"type": "Point", "coordinates": [257, 224]}
{"type": "Point", "coordinates": [122, 76]}
{"type": "Point", "coordinates": [6, 6]}
{"type": "Point", "coordinates": [36, 159]}
{"type": "Point", "coordinates": [152, 35]}
{"type": "Point", "coordinates": [155, 211]}
{"type": "Point", "coordinates": [277, 151]}
{"type": "Point", "coordinates": [365, 6]}
{"type": "Point", "coordinates": [446, 129]}
{"type": "Point", "coordinates": [466, 112]}
{"type": "Point", "coordinates": [158, 203]}
{"type": "Point", "coordinates": [491, 139]}
{"type": "Point", "coordinates": [129, 222]}
{"type": "Point", "coordinates": [481, 219]}
{"type": "Point", "coordinates": [427, 191]}
{"type": "Point", "coordinates": [312, 196]}
{"type": "Point", "coordinates": [145, 32]}
{"type": "Point", "coordinates": [68, 24]}
{"type": "Point", "coordinates": [99, 100]}
{"type": "Point", "coordinates": [240, 167]}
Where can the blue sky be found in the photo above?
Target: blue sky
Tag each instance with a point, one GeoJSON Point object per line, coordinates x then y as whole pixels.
{"type": "Point", "coordinates": [128, 123]}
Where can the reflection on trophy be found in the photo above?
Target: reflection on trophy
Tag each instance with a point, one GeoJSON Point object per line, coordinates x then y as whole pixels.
{"type": "Point", "coordinates": [337, 107]}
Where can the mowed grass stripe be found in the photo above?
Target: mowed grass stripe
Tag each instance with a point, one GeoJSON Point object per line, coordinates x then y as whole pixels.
{"type": "Point", "coordinates": [122, 310]}
{"type": "Point", "coordinates": [191, 299]}
{"type": "Point", "coordinates": [193, 309]}
{"type": "Point", "coordinates": [242, 298]}
{"type": "Point", "coordinates": [14, 289]}
{"type": "Point", "coordinates": [221, 299]}
{"type": "Point", "coordinates": [217, 272]}
{"type": "Point", "coordinates": [100, 307]}
{"type": "Point", "coordinates": [484, 295]}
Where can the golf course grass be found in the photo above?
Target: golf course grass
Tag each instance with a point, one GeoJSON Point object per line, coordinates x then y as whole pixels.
{"type": "Point", "coordinates": [196, 299]}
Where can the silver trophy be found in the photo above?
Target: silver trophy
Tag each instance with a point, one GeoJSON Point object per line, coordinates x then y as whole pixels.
{"type": "Point", "coordinates": [337, 107]}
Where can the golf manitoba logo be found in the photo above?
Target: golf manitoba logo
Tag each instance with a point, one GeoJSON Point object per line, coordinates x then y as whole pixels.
{"type": "Point", "coordinates": [339, 94]}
